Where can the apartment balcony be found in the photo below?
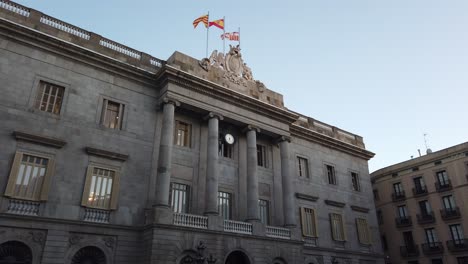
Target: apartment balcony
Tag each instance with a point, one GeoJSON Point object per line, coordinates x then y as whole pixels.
{"type": "Point", "coordinates": [450, 213]}
{"type": "Point", "coordinates": [398, 196]}
{"type": "Point", "coordinates": [419, 191]}
{"type": "Point", "coordinates": [403, 221]}
{"type": "Point", "coordinates": [409, 251]}
{"type": "Point", "coordinates": [427, 218]}
{"type": "Point", "coordinates": [442, 187]}
{"type": "Point", "coordinates": [457, 245]}
{"type": "Point", "coordinates": [433, 248]}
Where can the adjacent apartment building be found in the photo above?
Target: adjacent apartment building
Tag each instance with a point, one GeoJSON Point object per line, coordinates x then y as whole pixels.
{"type": "Point", "coordinates": [422, 208]}
{"type": "Point", "coordinates": [110, 155]}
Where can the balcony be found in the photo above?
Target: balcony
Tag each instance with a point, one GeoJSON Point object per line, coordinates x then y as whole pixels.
{"type": "Point", "coordinates": [403, 221]}
{"type": "Point", "coordinates": [426, 218]}
{"type": "Point", "coordinates": [450, 213]}
{"type": "Point", "coordinates": [419, 191]}
{"type": "Point", "coordinates": [433, 248]}
{"type": "Point", "coordinates": [398, 196]}
{"type": "Point", "coordinates": [457, 245]}
{"type": "Point", "coordinates": [409, 251]}
{"type": "Point", "coordinates": [444, 186]}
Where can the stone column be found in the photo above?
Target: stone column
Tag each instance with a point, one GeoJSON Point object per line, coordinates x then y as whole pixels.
{"type": "Point", "coordinates": [289, 211]}
{"type": "Point", "coordinates": [253, 214]}
{"type": "Point", "coordinates": [163, 179]}
{"type": "Point", "coordinates": [211, 191]}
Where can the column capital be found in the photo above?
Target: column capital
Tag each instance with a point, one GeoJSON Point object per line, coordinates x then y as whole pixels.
{"type": "Point", "coordinates": [250, 128]}
{"type": "Point", "coordinates": [168, 100]}
{"type": "Point", "coordinates": [283, 139]}
{"type": "Point", "coordinates": [213, 115]}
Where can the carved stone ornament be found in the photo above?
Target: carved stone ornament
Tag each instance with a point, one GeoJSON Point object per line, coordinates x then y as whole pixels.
{"type": "Point", "coordinates": [74, 239]}
{"type": "Point", "coordinates": [235, 70]}
{"type": "Point", "coordinates": [37, 237]}
{"type": "Point", "coordinates": [109, 241]}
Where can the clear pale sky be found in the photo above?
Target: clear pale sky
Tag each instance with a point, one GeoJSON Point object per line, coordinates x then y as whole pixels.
{"type": "Point", "coordinates": [387, 70]}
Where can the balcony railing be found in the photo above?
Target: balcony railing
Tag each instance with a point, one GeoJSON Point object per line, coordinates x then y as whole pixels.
{"type": "Point", "coordinates": [450, 213]}
{"type": "Point", "coordinates": [278, 232]}
{"type": "Point", "coordinates": [433, 248]}
{"type": "Point", "coordinates": [237, 227]}
{"type": "Point", "coordinates": [21, 207]}
{"type": "Point", "coordinates": [188, 220]}
{"type": "Point", "coordinates": [96, 216]}
{"type": "Point", "coordinates": [398, 196]}
{"type": "Point", "coordinates": [419, 191]}
{"type": "Point", "coordinates": [409, 251]}
{"type": "Point", "coordinates": [457, 245]}
{"type": "Point", "coordinates": [443, 186]}
{"type": "Point", "coordinates": [403, 221]}
{"type": "Point", "coordinates": [426, 218]}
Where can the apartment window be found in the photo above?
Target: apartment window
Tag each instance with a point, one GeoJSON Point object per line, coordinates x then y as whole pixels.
{"type": "Point", "coordinates": [425, 207]}
{"type": "Point", "coordinates": [355, 181]}
{"type": "Point", "coordinates": [226, 150]}
{"type": "Point", "coordinates": [30, 177]}
{"type": "Point", "coordinates": [462, 260]}
{"type": "Point", "coordinates": [431, 236]}
{"type": "Point", "coordinates": [179, 198]}
{"type": "Point", "coordinates": [398, 189]}
{"type": "Point", "coordinates": [303, 167]}
{"type": "Point", "coordinates": [182, 134]}
{"type": "Point", "coordinates": [101, 188]}
{"type": "Point", "coordinates": [449, 202]}
{"type": "Point", "coordinates": [309, 222]}
{"type": "Point", "coordinates": [402, 211]}
{"type": "Point", "coordinates": [419, 184]}
{"type": "Point", "coordinates": [442, 178]}
{"type": "Point", "coordinates": [337, 226]}
{"type": "Point", "coordinates": [261, 156]}
{"type": "Point", "coordinates": [49, 97]}
{"type": "Point", "coordinates": [225, 205]}
{"type": "Point", "coordinates": [264, 207]}
{"type": "Point", "coordinates": [363, 231]}
{"type": "Point", "coordinates": [457, 234]}
{"type": "Point", "coordinates": [331, 174]}
{"type": "Point", "coordinates": [376, 194]}
{"type": "Point", "coordinates": [112, 114]}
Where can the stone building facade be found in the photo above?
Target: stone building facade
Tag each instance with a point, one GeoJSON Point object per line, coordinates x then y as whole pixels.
{"type": "Point", "coordinates": [110, 155]}
{"type": "Point", "coordinates": [421, 208]}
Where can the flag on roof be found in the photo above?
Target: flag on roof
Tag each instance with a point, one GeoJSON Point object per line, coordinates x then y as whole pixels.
{"type": "Point", "coordinates": [202, 19]}
{"type": "Point", "coordinates": [233, 36]}
{"type": "Point", "coordinates": [218, 23]}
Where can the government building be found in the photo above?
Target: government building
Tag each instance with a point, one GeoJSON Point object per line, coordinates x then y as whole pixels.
{"type": "Point", "coordinates": [422, 210]}
{"type": "Point", "coordinates": [110, 155]}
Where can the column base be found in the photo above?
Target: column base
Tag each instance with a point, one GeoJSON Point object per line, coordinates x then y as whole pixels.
{"type": "Point", "coordinates": [215, 222]}
{"type": "Point", "coordinates": [163, 214]}
{"type": "Point", "coordinates": [258, 229]}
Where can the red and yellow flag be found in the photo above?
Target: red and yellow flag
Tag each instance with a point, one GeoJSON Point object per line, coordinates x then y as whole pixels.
{"type": "Point", "coordinates": [203, 19]}
{"type": "Point", "coordinates": [218, 23]}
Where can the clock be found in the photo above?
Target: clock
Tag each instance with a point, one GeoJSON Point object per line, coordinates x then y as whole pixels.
{"type": "Point", "coordinates": [229, 139]}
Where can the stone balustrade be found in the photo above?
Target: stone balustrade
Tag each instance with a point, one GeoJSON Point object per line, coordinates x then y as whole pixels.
{"type": "Point", "coordinates": [238, 227]}
{"type": "Point", "coordinates": [22, 207]}
{"type": "Point", "coordinates": [96, 216]}
{"type": "Point", "coordinates": [15, 8]}
{"type": "Point", "coordinates": [188, 220]}
{"type": "Point", "coordinates": [278, 232]}
{"type": "Point", "coordinates": [60, 25]}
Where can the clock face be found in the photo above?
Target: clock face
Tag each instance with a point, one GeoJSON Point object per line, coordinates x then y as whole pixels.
{"type": "Point", "coordinates": [229, 139]}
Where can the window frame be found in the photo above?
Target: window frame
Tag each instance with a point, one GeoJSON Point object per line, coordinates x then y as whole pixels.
{"type": "Point", "coordinates": [121, 115]}
{"type": "Point", "coordinates": [308, 213]}
{"type": "Point", "coordinates": [354, 175]}
{"type": "Point", "coordinates": [331, 179]}
{"type": "Point", "coordinates": [113, 203]}
{"type": "Point", "coordinates": [335, 236]}
{"type": "Point", "coordinates": [14, 169]}
{"type": "Point", "coordinates": [300, 170]}
{"type": "Point", "coordinates": [263, 162]}
{"type": "Point", "coordinates": [230, 205]}
{"type": "Point", "coordinates": [187, 193]}
{"type": "Point", "coordinates": [363, 231]}
{"type": "Point", "coordinates": [34, 93]}
{"type": "Point", "coordinates": [187, 138]}
{"type": "Point", "coordinates": [267, 207]}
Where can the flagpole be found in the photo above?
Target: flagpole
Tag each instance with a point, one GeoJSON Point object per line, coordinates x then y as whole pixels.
{"type": "Point", "coordinates": [224, 36]}
{"type": "Point", "coordinates": [207, 33]}
{"type": "Point", "coordinates": [239, 38]}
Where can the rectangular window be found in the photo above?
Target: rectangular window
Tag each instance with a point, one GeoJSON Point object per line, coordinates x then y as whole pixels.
{"type": "Point", "coordinates": [355, 181]}
{"type": "Point", "coordinates": [449, 202]}
{"type": "Point", "coordinates": [29, 177]}
{"type": "Point", "coordinates": [457, 233]}
{"type": "Point", "coordinates": [376, 194]}
{"type": "Point", "coordinates": [398, 189]}
{"type": "Point", "coordinates": [442, 178]}
{"type": "Point", "coordinates": [363, 231]}
{"type": "Point", "coordinates": [112, 114]}
{"type": "Point", "coordinates": [182, 134]}
{"type": "Point", "coordinates": [425, 208]}
{"type": "Point", "coordinates": [331, 174]}
{"type": "Point", "coordinates": [431, 236]}
{"type": "Point", "coordinates": [179, 198]}
{"type": "Point", "coordinates": [49, 97]}
{"type": "Point", "coordinates": [225, 205]}
{"type": "Point", "coordinates": [261, 156]}
{"type": "Point", "coordinates": [402, 211]}
{"type": "Point", "coordinates": [226, 150]}
{"type": "Point", "coordinates": [309, 222]}
{"type": "Point", "coordinates": [264, 207]}
{"type": "Point", "coordinates": [101, 188]}
{"type": "Point", "coordinates": [337, 226]}
{"type": "Point", "coordinates": [303, 167]}
{"type": "Point", "coordinates": [380, 217]}
{"type": "Point", "coordinates": [419, 184]}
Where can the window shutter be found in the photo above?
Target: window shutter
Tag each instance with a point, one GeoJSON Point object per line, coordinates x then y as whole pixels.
{"type": "Point", "coordinates": [84, 199]}
{"type": "Point", "coordinates": [10, 189]}
{"type": "Point", "coordinates": [316, 224]}
{"type": "Point", "coordinates": [303, 221]}
{"type": "Point", "coordinates": [332, 225]}
{"type": "Point", "coordinates": [47, 180]}
{"type": "Point", "coordinates": [115, 191]}
{"type": "Point", "coordinates": [343, 228]}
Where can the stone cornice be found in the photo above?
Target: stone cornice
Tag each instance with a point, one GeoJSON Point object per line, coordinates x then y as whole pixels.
{"type": "Point", "coordinates": [169, 74]}
{"type": "Point", "coordinates": [335, 203]}
{"type": "Point", "coordinates": [309, 135]}
{"type": "Point", "coordinates": [39, 139]}
{"type": "Point", "coordinates": [306, 197]}
{"type": "Point", "coordinates": [106, 154]}
{"type": "Point", "coordinates": [359, 209]}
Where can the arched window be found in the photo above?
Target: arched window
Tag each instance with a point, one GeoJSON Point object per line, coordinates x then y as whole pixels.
{"type": "Point", "coordinates": [89, 255]}
{"type": "Point", "coordinates": [237, 257]}
{"type": "Point", "coordinates": [14, 252]}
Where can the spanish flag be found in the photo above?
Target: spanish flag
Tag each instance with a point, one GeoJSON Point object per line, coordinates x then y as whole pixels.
{"type": "Point", "coordinates": [218, 23]}
{"type": "Point", "coordinates": [203, 19]}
